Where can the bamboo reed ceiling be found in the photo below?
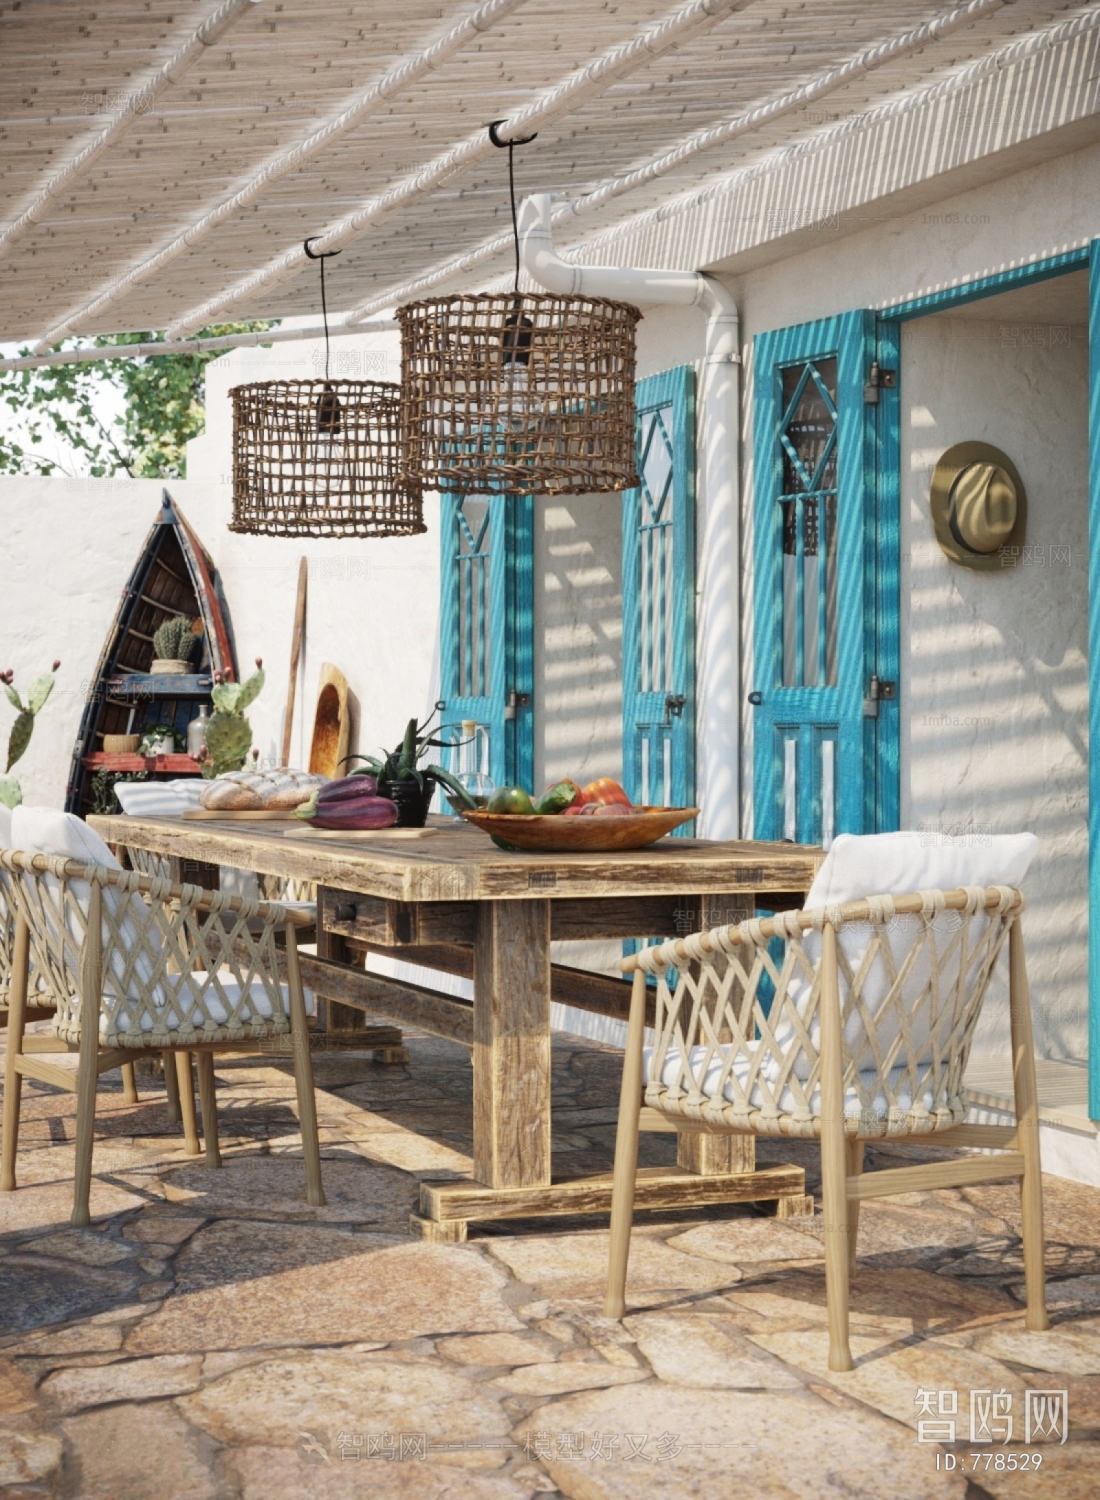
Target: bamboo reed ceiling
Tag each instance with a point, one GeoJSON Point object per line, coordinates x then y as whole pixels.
{"type": "Point", "coordinates": [277, 70]}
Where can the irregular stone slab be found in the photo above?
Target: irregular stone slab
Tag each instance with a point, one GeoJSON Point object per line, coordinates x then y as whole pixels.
{"type": "Point", "coordinates": [407, 1151]}
{"type": "Point", "coordinates": [39, 1206]}
{"type": "Point", "coordinates": [695, 1350]}
{"type": "Point", "coordinates": [269, 1474]}
{"type": "Point", "coordinates": [157, 1227]}
{"type": "Point", "coordinates": [904, 1300]}
{"type": "Point", "coordinates": [748, 1241]}
{"type": "Point", "coordinates": [777, 1445]}
{"type": "Point", "coordinates": [1080, 1294]}
{"type": "Point", "coordinates": [570, 1375]}
{"type": "Point", "coordinates": [274, 1187]}
{"type": "Point", "coordinates": [326, 1394]}
{"type": "Point", "coordinates": [92, 1337]}
{"type": "Point", "coordinates": [125, 1380]}
{"type": "Point", "coordinates": [1064, 1349]}
{"type": "Point", "coordinates": [499, 1349]}
{"type": "Point", "coordinates": [244, 1285]}
{"type": "Point", "coordinates": [16, 1391]}
{"type": "Point", "coordinates": [134, 1452]}
{"type": "Point", "coordinates": [575, 1265]}
{"type": "Point", "coordinates": [888, 1378]}
{"type": "Point", "coordinates": [893, 1229]}
{"type": "Point", "coordinates": [36, 1290]}
{"type": "Point", "coordinates": [26, 1457]}
{"type": "Point", "coordinates": [1069, 1473]}
{"type": "Point", "coordinates": [91, 1246]}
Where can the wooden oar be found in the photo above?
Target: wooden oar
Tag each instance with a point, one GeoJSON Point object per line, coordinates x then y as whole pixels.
{"type": "Point", "coordinates": [295, 657]}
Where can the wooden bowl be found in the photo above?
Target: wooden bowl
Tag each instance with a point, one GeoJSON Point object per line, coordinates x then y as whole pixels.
{"type": "Point", "coordinates": [121, 744]}
{"type": "Point", "coordinates": [558, 835]}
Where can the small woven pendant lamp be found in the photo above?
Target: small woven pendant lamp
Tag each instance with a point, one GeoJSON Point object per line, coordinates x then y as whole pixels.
{"type": "Point", "coordinates": [518, 392]}
{"type": "Point", "coordinates": [321, 457]}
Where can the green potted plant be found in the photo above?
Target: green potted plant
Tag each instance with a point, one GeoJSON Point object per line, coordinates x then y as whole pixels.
{"type": "Point", "coordinates": [401, 779]}
{"type": "Point", "coordinates": [11, 793]}
{"type": "Point", "coordinates": [174, 644]}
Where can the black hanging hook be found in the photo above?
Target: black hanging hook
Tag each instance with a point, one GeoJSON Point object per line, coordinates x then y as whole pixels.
{"type": "Point", "coordinates": [522, 140]}
{"type": "Point", "coordinates": [322, 256]}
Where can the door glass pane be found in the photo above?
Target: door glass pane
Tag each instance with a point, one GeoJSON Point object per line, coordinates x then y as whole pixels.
{"type": "Point", "coordinates": [790, 789]}
{"type": "Point", "coordinates": [655, 538]}
{"type": "Point", "coordinates": [807, 440]}
{"type": "Point", "coordinates": [473, 564]}
{"type": "Point", "coordinates": [828, 792]}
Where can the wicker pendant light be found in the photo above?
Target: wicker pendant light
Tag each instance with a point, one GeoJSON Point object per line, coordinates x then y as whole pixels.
{"type": "Point", "coordinates": [321, 457]}
{"type": "Point", "coordinates": [518, 392]}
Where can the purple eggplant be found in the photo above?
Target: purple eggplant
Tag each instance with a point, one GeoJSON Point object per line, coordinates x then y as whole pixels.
{"type": "Point", "coordinates": [367, 812]}
{"type": "Point", "coordinates": [347, 788]}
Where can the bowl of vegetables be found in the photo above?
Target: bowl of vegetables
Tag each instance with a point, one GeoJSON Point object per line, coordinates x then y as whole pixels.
{"type": "Point", "coordinates": [596, 819]}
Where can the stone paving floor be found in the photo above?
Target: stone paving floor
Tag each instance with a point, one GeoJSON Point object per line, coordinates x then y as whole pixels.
{"type": "Point", "coordinates": [211, 1336]}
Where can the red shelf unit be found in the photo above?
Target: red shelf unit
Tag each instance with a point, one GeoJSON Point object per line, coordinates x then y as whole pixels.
{"type": "Point", "coordinates": [178, 765]}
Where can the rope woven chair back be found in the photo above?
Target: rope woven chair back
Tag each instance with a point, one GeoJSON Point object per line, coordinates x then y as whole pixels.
{"type": "Point", "coordinates": [171, 972]}
{"type": "Point", "coordinates": [737, 1032]}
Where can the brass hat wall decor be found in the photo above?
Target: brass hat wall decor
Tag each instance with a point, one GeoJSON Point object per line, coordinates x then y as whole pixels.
{"type": "Point", "coordinates": [978, 505]}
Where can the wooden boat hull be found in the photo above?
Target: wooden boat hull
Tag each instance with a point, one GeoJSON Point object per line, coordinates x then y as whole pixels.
{"type": "Point", "coordinates": [331, 723]}
{"type": "Point", "coordinates": [173, 575]}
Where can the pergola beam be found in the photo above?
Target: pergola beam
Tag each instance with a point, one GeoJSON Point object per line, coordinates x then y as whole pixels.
{"type": "Point", "coordinates": [136, 104]}
{"type": "Point", "coordinates": [791, 100]}
{"type": "Point", "coordinates": [357, 107]}
{"type": "Point", "coordinates": [579, 88]}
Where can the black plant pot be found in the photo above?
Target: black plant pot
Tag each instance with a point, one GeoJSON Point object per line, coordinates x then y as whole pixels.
{"type": "Point", "coordinates": [411, 799]}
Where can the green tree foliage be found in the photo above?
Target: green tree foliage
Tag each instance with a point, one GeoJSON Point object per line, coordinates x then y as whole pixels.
{"type": "Point", "coordinates": [163, 409]}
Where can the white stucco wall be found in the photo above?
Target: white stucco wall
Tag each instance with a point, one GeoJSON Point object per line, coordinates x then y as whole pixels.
{"type": "Point", "coordinates": [994, 682]}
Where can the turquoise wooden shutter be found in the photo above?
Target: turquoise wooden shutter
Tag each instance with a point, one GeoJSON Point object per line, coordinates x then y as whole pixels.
{"type": "Point", "coordinates": [659, 597]}
{"type": "Point", "coordinates": [825, 689]}
{"type": "Point", "coordinates": [486, 625]}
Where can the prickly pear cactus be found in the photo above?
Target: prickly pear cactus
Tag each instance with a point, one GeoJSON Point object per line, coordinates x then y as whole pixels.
{"type": "Point", "coordinates": [229, 734]}
{"type": "Point", "coordinates": [21, 731]}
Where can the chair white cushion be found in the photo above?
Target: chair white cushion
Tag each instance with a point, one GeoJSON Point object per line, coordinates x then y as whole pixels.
{"type": "Point", "coordinates": [159, 799]}
{"type": "Point", "coordinates": [898, 864]}
{"type": "Point", "coordinates": [787, 1103]}
{"type": "Point", "coordinates": [258, 1000]}
{"type": "Point", "coordinates": [44, 830]}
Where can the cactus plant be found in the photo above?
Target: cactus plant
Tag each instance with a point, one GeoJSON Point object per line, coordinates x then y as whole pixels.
{"type": "Point", "coordinates": [174, 640]}
{"type": "Point", "coordinates": [11, 793]}
{"type": "Point", "coordinates": [229, 734]}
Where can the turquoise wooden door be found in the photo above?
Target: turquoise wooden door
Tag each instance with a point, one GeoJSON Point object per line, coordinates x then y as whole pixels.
{"type": "Point", "coordinates": [486, 625]}
{"type": "Point", "coordinates": [825, 688]}
{"type": "Point", "coordinates": [659, 597]}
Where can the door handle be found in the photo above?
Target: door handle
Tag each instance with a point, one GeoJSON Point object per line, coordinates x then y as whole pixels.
{"type": "Point", "coordinates": [756, 698]}
{"type": "Point", "coordinates": [674, 706]}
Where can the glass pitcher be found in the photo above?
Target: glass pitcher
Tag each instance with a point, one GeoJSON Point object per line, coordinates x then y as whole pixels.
{"type": "Point", "coordinates": [473, 761]}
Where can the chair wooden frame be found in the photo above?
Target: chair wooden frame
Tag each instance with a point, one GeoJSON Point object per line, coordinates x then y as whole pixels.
{"type": "Point", "coordinates": [150, 977]}
{"type": "Point", "coordinates": [799, 1063]}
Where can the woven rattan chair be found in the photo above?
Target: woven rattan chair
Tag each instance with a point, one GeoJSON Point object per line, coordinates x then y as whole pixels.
{"type": "Point", "coordinates": [141, 964]}
{"type": "Point", "coordinates": [859, 1030]}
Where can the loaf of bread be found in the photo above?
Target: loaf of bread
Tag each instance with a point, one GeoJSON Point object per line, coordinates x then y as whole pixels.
{"type": "Point", "coordinates": [280, 790]}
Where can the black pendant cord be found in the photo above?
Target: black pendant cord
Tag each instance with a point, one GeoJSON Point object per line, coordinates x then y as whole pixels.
{"type": "Point", "coordinates": [522, 141]}
{"type": "Point", "coordinates": [322, 257]}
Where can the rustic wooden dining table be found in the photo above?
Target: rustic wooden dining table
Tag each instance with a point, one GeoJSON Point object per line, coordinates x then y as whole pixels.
{"type": "Point", "coordinates": [450, 900]}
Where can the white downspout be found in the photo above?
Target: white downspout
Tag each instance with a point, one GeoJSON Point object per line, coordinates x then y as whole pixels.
{"type": "Point", "coordinates": [718, 655]}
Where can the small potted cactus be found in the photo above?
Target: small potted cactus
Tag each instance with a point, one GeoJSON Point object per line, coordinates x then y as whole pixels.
{"type": "Point", "coordinates": [173, 646]}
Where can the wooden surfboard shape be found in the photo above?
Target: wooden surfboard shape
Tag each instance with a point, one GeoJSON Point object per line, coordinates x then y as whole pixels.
{"type": "Point", "coordinates": [331, 723]}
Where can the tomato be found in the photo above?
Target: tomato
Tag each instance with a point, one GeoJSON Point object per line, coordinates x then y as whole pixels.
{"type": "Point", "coordinates": [604, 790]}
{"type": "Point", "coordinates": [611, 810]}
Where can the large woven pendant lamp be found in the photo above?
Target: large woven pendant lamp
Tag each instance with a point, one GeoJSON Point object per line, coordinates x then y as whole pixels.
{"type": "Point", "coordinates": [321, 457]}
{"type": "Point", "coordinates": [518, 392]}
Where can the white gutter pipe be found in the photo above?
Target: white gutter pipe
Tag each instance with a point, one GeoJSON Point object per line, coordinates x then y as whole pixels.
{"type": "Point", "coordinates": [718, 655]}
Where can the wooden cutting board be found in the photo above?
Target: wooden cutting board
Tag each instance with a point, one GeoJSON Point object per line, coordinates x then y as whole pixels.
{"type": "Point", "coordinates": [331, 724]}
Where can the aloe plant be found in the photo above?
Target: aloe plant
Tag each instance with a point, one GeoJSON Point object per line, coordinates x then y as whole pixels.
{"type": "Point", "coordinates": [11, 793]}
{"type": "Point", "coordinates": [403, 762]}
